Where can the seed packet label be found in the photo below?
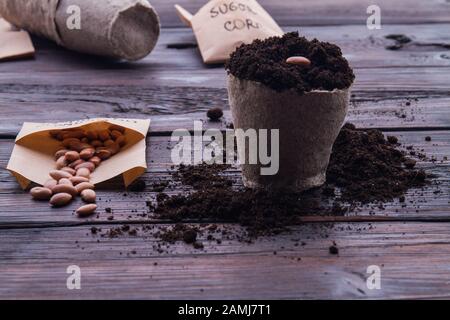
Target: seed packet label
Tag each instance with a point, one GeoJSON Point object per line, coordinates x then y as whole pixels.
{"type": "Point", "coordinates": [14, 44]}
{"type": "Point", "coordinates": [33, 153]}
{"type": "Point", "coordinates": [221, 26]}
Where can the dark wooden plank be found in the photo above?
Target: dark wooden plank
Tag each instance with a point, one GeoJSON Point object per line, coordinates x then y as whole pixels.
{"type": "Point", "coordinates": [413, 258]}
{"type": "Point", "coordinates": [71, 86]}
{"type": "Point", "coordinates": [18, 210]}
{"type": "Point", "coordinates": [327, 12]}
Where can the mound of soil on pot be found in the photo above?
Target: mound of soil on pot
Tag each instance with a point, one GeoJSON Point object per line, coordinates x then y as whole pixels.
{"type": "Point", "coordinates": [264, 61]}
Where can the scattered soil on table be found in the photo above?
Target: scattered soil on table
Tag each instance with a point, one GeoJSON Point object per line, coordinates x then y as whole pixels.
{"type": "Point", "coordinates": [400, 41]}
{"type": "Point", "coordinates": [365, 167]}
{"type": "Point", "coordinates": [214, 114]}
{"type": "Point", "coordinates": [264, 61]}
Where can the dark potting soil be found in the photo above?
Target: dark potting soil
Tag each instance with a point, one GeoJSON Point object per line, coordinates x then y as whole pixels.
{"type": "Point", "coordinates": [265, 61]}
{"type": "Point", "coordinates": [364, 166]}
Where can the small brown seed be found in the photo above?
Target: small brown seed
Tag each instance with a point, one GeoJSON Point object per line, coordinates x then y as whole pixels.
{"type": "Point", "coordinates": [65, 188]}
{"type": "Point", "coordinates": [103, 153]}
{"type": "Point", "coordinates": [54, 133]}
{"type": "Point", "coordinates": [108, 143]}
{"type": "Point", "coordinates": [75, 163]}
{"type": "Point", "coordinates": [83, 186]}
{"type": "Point", "coordinates": [115, 134]}
{"type": "Point", "coordinates": [121, 141]}
{"type": "Point", "coordinates": [88, 195]}
{"type": "Point", "coordinates": [114, 148]}
{"type": "Point", "coordinates": [88, 153]}
{"type": "Point", "coordinates": [79, 146]}
{"type": "Point", "coordinates": [40, 193]}
{"type": "Point", "coordinates": [298, 61]}
{"type": "Point", "coordinates": [79, 134]}
{"type": "Point", "coordinates": [61, 162]}
{"type": "Point", "coordinates": [96, 143]}
{"type": "Point", "coordinates": [65, 181]}
{"type": "Point", "coordinates": [50, 183]}
{"type": "Point", "coordinates": [72, 156]}
{"type": "Point", "coordinates": [60, 153]}
{"type": "Point", "coordinates": [59, 174]}
{"type": "Point", "coordinates": [88, 165]}
{"type": "Point", "coordinates": [95, 160]}
{"type": "Point", "coordinates": [83, 172]}
{"type": "Point", "coordinates": [60, 199]}
{"type": "Point", "coordinates": [85, 140]}
{"type": "Point", "coordinates": [67, 142]}
{"type": "Point", "coordinates": [86, 210]}
{"type": "Point", "coordinates": [69, 170]}
{"type": "Point", "coordinates": [103, 135]}
{"type": "Point", "coordinates": [77, 180]}
{"type": "Point", "coordinates": [117, 127]}
{"type": "Point", "coordinates": [92, 135]}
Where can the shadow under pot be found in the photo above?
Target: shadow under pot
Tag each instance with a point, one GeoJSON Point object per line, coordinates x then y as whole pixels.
{"type": "Point", "coordinates": [301, 130]}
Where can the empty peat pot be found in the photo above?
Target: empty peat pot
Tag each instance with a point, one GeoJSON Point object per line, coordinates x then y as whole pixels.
{"type": "Point", "coordinates": [308, 125]}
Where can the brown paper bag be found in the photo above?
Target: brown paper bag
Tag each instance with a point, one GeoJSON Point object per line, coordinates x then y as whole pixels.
{"type": "Point", "coordinates": [33, 154]}
{"type": "Point", "coordinates": [222, 25]}
{"type": "Point", "coordinates": [14, 44]}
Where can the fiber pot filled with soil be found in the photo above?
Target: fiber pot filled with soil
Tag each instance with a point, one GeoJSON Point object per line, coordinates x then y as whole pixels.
{"type": "Point", "coordinates": [299, 87]}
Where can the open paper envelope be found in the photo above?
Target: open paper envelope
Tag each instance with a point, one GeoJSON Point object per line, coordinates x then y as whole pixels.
{"type": "Point", "coordinates": [33, 154]}
{"type": "Point", "coordinates": [220, 26]}
{"type": "Point", "coordinates": [14, 44]}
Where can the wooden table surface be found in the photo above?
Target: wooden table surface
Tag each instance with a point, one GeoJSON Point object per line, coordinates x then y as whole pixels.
{"type": "Point", "coordinates": [172, 87]}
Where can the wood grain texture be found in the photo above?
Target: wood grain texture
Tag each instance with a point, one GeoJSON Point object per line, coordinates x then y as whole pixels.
{"type": "Point", "coordinates": [428, 203]}
{"type": "Point", "coordinates": [169, 81]}
{"type": "Point", "coordinates": [413, 258]}
{"type": "Point", "coordinates": [326, 12]}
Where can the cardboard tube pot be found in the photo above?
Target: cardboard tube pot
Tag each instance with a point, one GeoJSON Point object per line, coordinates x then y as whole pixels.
{"type": "Point", "coordinates": [123, 29]}
{"type": "Point", "coordinates": [308, 125]}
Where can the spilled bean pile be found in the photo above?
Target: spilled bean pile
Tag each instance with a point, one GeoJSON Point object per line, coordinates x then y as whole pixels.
{"type": "Point", "coordinates": [81, 152]}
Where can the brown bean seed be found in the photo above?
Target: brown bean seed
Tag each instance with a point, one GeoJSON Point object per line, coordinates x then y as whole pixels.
{"type": "Point", "coordinates": [103, 153]}
{"type": "Point", "coordinates": [88, 165]}
{"type": "Point", "coordinates": [86, 210]}
{"type": "Point", "coordinates": [79, 134]}
{"type": "Point", "coordinates": [61, 162]}
{"type": "Point", "coordinates": [103, 135]}
{"type": "Point", "coordinates": [40, 193]}
{"type": "Point", "coordinates": [83, 186]}
{"type": "Point", "coordinates": [117, 127]}
{"type": "Point", "coordinates": [78, 179]}
{"type": "Point", "coordinates": [69, 170]}
{"type": "Point", "coordinates": [96, 143]}
{"type": "Point", "coordinates": [67, 142]}
{"type": "Point", "coordinates": [59, 174]}
{"type": "Point", "coordinates": [114, 148]}
{"type": "Point", "coordinates": [298, 61]}
{"type": "Point", "coordinates": [92, 135]}
{"type": "Point", "coordinates": [60, 199]}
{"type": "Point", "coordinates": [121, 141]}
{"type": "Point", "coordinates": [95, 160]}
{"type": "Point", "coordinates": [83, 172]}
{"type": "Point", "coordinates": [65, 181]}
{"type": "Point", "coordinates": [65, 188]}
{"type": "Point", "coordinates": [50, 183]}
{"type": "Point", "coordinates": [72, 156]}
{"type": "Point", "coordinates": [88, 195]}
{"type": "Point", "coordinates": [75, 163]}
{"type": "Point", "coordinates": [116, 134]}
{"type": "Point", "coordinates": [60, 153]}
{"type": "Point", "coordinates": [88, 153]}
{"type": "Point", "coordinates": [108, 143]}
